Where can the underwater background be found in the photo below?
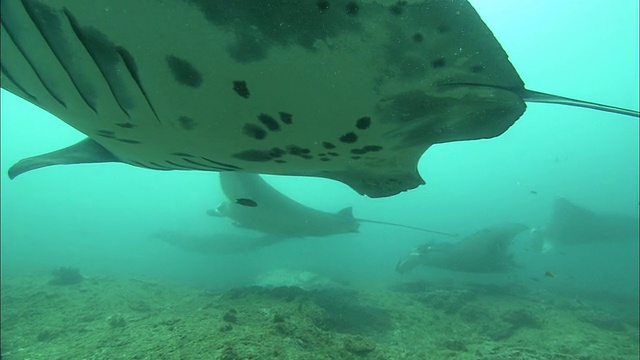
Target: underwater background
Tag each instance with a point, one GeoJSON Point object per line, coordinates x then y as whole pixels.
{"type": "Point", "coordinates": [103, 218]}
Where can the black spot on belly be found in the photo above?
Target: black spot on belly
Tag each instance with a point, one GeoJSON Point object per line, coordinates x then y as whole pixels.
{"type": "Point", "coordinates": [254, 131]}
{"type": "Point", "coordinates": [443, 29]}
{"type": "Point", "coordinates": [240, 87]}
{"type": "Point", "coordinates": [477, 68]}
{"type": "Point", "coordinates": [269, 122]}
{"type": "Point", "coordinates": [324, 159]}
{"type": "Point", "coordinates": [323, 6]}
{"type": "Point", "coordinates": [253, 155]}
{"type": "Point", "coordinates": [279, 161]}
{"type": "Point", "coordinates": [306, 156]}
{"type": "Point", "coordinates": [438, 63]}
{"type": "Point", "coordinates": [334, 154]}
{"type": "Point", "coordinates": [363, 123]}
{"type": "Point", "coordinates": [356, 157]}
{"type": "Point", "coordinates": [129, 141]}
{"type": "Point", "coordinates": [349, 138]}
{"type": "Point", "coordinates": [184, 72]}
{"type": "Point", "coordinates": [297, 150]}
{"type": "Point", "coordinates": [417, 37]}
{"type": "Point", "coordinates": [246, 202]}
{"type": "Point", "coordinates": [127, 125]}
{"type": "Point", "coordinates": [328, 145]}
{"type": "Point", "coordinates": [366, 149]}
{"type": "Point", "coordinates": [286, 118]}
{"type": "Point", "coordinates": [186, 123]}
{"type": "Point", "coordinates": [277, 152]}
{"type": "Point", "coordinates": [372, 148]}
{"type": "Point", "coordinates": [352, 8]}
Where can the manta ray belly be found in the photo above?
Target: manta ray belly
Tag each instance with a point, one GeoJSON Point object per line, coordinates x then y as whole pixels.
{"type": "Point", "coordinates": [339, 89]}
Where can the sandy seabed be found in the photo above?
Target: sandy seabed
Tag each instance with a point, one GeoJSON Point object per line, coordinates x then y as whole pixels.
{"type": "Point", "coordinates": [109, 318]}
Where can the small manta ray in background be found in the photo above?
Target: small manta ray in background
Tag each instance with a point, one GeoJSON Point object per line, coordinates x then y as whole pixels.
{"type": "Point", "coordinates": [572, 224]}
{"type": "Point", "coordinates": [210, 85]}
{"type": "Point", "coordinates": [485, 251]}
{"type": "Point", "coordinates": [277, 214]}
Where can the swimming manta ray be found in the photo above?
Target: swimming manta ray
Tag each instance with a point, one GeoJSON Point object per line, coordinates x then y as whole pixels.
{"type": "Point", "coordinates": [486, 251]}
{"type": "Point", "coordinates": [347, 90]}
{"type": "Point", "coordinates": [254, 204]}
{"type": "Point", "coordinates": [572, 224]}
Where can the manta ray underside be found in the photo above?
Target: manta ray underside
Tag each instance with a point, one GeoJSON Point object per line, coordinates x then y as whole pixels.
{"type": "Point", "coordinates": [347, 90]}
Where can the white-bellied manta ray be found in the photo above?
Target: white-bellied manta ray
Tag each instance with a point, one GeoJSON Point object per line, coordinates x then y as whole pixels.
{"type": "Point", "coordinates": [354, 91]}
{"type": "Point", "coordinates": [254, 204]}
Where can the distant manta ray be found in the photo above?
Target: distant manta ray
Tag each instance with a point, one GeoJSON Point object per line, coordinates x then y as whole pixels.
{"type": "Point", "coordinates": [572, 224]}
{"type": "Point", "coordinates": [354, 91]}
{"type": "Point", "coordinates": [484, 251]}
{"type": "Point", "coordinates": [216, 244]}
{"type": "Point", "coordinates": [254, 204]}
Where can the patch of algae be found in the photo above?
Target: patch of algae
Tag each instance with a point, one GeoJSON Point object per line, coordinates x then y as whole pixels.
{"type": "Point", "coordinates": [133, 319]}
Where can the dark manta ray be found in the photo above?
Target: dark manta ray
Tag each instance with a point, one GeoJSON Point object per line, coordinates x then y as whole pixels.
{"type": "Point", "coordinates": [267, 210]}
{"type": "Point", "coordinates": [341, 89]}
{"type": "Point", "coordinates": [485, 251]}
{"type": "Point", "coordinates": [572, 224]}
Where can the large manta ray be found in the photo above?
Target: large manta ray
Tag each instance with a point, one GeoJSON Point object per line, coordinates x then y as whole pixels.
{"type": "Point", "coordinates": [254, 204]}
{"type": "Point", "coordinates": [348, 90]}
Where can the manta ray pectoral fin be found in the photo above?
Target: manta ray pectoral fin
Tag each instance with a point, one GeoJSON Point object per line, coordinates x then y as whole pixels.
{"type": "Point", "coordinates": [536, 96]}
{"type": "Point", "coordinates": [83, 152]}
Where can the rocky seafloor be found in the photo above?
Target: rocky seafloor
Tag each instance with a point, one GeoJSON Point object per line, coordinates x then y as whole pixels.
{"type": "Point", "coordinates": [109, 318]}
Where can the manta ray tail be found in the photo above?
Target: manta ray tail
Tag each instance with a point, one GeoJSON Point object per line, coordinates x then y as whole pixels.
{"type": "Point", "coordinates": [535, 96]}
{"type": "Point", "coordinates": [85, 151]}
{"type": "Point", "coordinates": [348, 212]}
{"type": "Point", "coordinates": [407, 227]}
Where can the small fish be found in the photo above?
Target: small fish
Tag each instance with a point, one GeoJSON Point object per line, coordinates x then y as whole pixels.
{"type": "Point", "coordinates": [550, 274]}
{"type": "Point", "coordinates": [246, 202]}
{"type": "Point", "coordinates": [533, 192]}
